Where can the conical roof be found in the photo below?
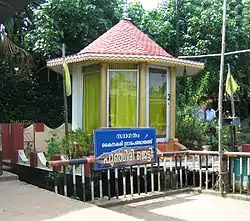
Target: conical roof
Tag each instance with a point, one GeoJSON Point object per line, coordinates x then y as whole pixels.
{"type": "Point", "coordinates": [125, 39]}
{"type": "Point", "coordinates": [124, 42]}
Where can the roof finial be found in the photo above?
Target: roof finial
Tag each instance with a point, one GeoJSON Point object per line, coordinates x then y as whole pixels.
{"type": "Point", "coordinates": [125, 10]}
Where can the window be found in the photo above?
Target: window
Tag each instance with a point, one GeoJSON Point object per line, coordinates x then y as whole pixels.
{"type": "Point", "coordinates": [157, 100]}
{"type": "Point", "coordinates": [91, 102]}
{"type": "Point", "coordinates": [123, 97]}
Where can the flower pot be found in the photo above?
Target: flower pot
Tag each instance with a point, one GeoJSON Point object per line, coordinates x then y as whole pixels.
{"type": "Point", "coordinates": [246, 147]}
{"type": "Point", "coordinates": [87, 166]}
{"type": "Point", "coordinates": [55, 158]}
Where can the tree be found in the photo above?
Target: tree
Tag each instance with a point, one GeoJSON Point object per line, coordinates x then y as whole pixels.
{"type": "Point", "coordinates": [33, 92]}
{"type": "Point", "coordinates": [200, 33]}
{"type": "Point", "coordinates": [74, 22]}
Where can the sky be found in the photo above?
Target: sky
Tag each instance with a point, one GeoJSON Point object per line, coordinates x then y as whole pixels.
{"type": "Point", "coordinates": [148, 4]}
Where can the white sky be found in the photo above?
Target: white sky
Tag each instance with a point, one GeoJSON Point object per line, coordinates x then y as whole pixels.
{"type": "Point", "coordinates": [148, 4]}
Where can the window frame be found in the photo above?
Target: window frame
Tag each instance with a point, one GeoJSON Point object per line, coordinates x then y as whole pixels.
{"type": "Point", "coordinates": [137, 92]}
{"type": "Point", "coordinates": [168, 91]}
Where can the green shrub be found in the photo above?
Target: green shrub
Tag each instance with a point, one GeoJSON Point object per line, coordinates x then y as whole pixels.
{"type": "Point", "coordinates": [193, 133]}
{"type": "Point", "coordinates": [78, 143]}
{"type": "Point", "coordinates": [54, 146]}
{"type": "Point", "coordinates": [189, 129]}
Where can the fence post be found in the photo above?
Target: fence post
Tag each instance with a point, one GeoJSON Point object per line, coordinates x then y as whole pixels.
{"type": "Point", "coordinates": [186, 172]}
{"type": "Point", "coordinates": [55, 181]}
{"type": "Point", "coordinates": [200, 172]}
{"type": "Point", "coordinates": [248, 176]}
{"type": "Point", "coordinates": [131, 181]}
{"type": "Point", "coordinates": [206, 172]}
{"type": "Point", "coordinates": [180, 173]}
{"type": "Point", "coordinates": [1, 164]}
{"type": "Point", "coordinates": [83, 183]}
{"type": "Point", "coordinates": [194, 172]}
{"type": "Point", "coordinates": [65, 181]}
{"type": "Point", "coordinates": [213, 178]}
{"type": "Point", "coordinates": [124, 182]}
{"type": "Point", "coordinates": [1, 151]}
{"type": "Point", "coordinates": [138, 180]}
{"type": "Point", "coordinates": [145, 179]}
{"type": "Point", "coordinates": [241, 176]}
{"type": "Point", "coordinates": [152, 178]}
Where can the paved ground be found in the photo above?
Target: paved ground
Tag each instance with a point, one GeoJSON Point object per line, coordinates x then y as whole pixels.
{"type": "Point", "coordinates": [23, 202]}
{"type": "Point", "coordinates": [184, 207]}
{"type": "Point", "coordinates": [20, 201]}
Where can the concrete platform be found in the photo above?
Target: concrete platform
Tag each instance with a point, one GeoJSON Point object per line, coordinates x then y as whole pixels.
{"type": "Point", "coordinates": [20, 201]}
{"type": "Point", "coordinates": [7, 176]}
{"type": "Point", "coordinates": [186, 207]}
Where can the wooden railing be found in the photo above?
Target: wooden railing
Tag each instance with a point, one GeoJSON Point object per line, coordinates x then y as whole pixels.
{"type": "Point", "coordinates": [173, 170]}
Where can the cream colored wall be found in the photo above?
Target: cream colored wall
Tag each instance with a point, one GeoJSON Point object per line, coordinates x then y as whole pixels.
{"type": "Point", "coordinates": [41, 137]}
{"type": "Point", "coordinates": [77, 97]}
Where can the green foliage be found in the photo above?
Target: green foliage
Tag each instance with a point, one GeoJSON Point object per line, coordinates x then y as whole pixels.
{"type": "Point", "coordinates": [30, 96]}
{"type": "Point", "coordinates": [200, 33]}
{"type": "Point", "coordinates": [156, 23]}
{"type": "Point", "coordinates": [211, 141]}
{"type": "Point", "coordinates": [189, 129]}
{"type": "Point", "coordinates": [54, 146]}
{"type": "Point", "coordinates": [78, 143]}
{"type": "Point", "coordinates": [193, 133]}
{"type": "Point", "coordinates": [33, 92]}
{"type": "Point", "coordinates": [74, 22]}
{"type": "Point", "coordinates": [45, 25]}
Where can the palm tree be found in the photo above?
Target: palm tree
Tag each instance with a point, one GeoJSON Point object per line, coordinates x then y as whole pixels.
{"type": "Point", "coordinates": [9, 51]}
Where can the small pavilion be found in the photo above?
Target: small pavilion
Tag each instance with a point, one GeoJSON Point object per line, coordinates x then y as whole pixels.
{"type": "Point", "coordinates": [125, 79]}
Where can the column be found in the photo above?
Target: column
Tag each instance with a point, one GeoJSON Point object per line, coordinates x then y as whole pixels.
{"type": "Point", "coordinates": [103, 95]}
{"type": "Point", "coordinates": [142, 95]}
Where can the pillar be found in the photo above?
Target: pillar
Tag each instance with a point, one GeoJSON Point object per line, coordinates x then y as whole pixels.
{"type": "Point", "coordinates": [142, 95]}
{"type": "Point", "coordinates": [77, 97]}
{"type": "Point", "coordinates": [6, 141]}
{"type": "Point", "coordinates": [103, 95]}
{"type": "Point", "coordinates": [172, 102]}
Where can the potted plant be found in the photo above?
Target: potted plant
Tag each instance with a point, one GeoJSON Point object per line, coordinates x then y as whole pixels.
{"type": "Point", "coordinates": [78, 143]}
{"type": "Point", "coordinates": [54, 149]}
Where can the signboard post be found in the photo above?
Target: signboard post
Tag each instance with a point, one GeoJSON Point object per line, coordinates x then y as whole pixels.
{"type": "Point", "coordinates": [116, 148]}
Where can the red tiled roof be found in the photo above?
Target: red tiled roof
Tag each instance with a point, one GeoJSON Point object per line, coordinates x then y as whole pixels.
{"type": "Point", "coordinates": [125, 43]}
{"type": "Point", "coordinates": [124, 39]}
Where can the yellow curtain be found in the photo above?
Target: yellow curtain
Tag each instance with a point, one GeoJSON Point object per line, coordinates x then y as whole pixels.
{"type": "Point", "coordinates": [91, 94]}
{"type": "Point", "coordinates": [123, 103]}
{"type": "Point", "coordinates": [157, 103]}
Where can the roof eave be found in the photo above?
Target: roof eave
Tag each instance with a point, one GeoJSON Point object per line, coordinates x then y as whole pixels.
{"type": "Point", "coordinates": [126, 58]}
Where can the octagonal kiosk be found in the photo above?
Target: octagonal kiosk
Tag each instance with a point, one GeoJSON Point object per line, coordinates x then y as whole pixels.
{"type": "Point", "coordinates": [124, 79]}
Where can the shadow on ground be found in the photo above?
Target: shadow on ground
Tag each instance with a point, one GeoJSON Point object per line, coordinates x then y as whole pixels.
{"type": "Point", "coordinates": [20, 201]}
{"type": "Point", "coordinates": [143, 210]}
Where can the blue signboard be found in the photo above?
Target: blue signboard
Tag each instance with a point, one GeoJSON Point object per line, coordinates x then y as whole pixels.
{"type": "Point", "coordinates": [116, 148]}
